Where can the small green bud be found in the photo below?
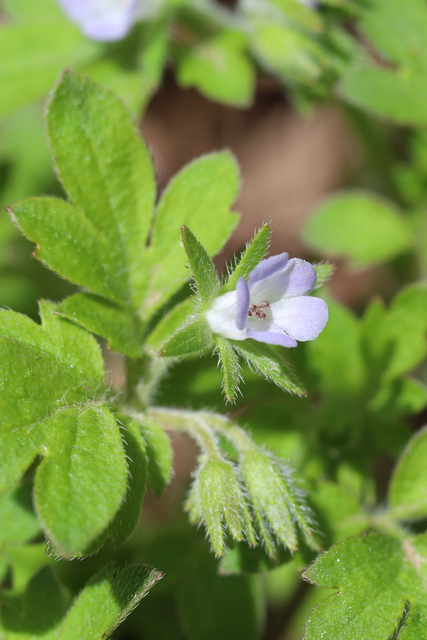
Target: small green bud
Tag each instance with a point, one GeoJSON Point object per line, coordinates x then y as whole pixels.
{"type": "Point", "coordinates": [217, 499]}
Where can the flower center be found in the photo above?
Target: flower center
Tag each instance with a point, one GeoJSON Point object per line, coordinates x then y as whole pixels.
{"type": "Point", "coordinates": [258, 311]}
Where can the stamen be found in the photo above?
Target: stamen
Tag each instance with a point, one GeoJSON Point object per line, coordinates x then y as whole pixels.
{"type": "Point", "coordinates": [257, 310]}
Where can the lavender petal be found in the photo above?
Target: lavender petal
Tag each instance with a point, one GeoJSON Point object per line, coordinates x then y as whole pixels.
{"type": "Point", "coordinates": [267, 268]}
{"type": "Point", "coordinates": [302, 317]}
{"type": "Point", "coordinates": [242, 303]}
{"type": "Point", "coordinates": [271, 337]}
{"type": "Point", "coordinates": [299, 278]}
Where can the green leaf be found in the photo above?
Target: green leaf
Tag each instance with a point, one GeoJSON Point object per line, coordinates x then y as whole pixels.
{"type": "Point", "coordinates": [89, 127]}
{"type": "Point", "coordinates": [265, 360]}
{"type": "Point", "coordinates": [220, 68]}
{"type": "Point", "coordinates": [193, 339]}
{"type": "Point", "coordinates": [365, 228]}
{"type": "Point", "coordinates": [105, 319]}
{"type": "Point", "coordinates": [37, 613]}
{"type": "Point", "coordinates": [407, 494]}
{"type": "Point", "coordinates": [18, 523]}
{"type": "Point", "coordinates": [83, 451]}
{"type": "Point", "coordinates": [396, 87]}
{"type": "Point", "coordinates": [205, 275]}
{"type": "Point", "coordinates": [253, 254]}
{"type": "Point", "coordinates": [287, 52]}
{"type": "Point", "coordinates": [31, 56]}
{"type": "Point", "coordinates": [127, 516]}
{"type": "Point", "coordinates": [107, 600]}
{"type": "Point", "coordinates": [230, 368]}
{"type": "Point", "coordinates": [160, 455]}
{"type": "Point", "coordinates": [199, 197]}
{"type": "Point", "coordinates": [376, 576]}
{"type": "Point", "coordinates": [49, 383]}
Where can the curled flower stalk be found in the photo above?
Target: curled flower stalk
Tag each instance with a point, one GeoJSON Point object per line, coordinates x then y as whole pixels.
{"type": "Point", "coordinates": [272, 306]}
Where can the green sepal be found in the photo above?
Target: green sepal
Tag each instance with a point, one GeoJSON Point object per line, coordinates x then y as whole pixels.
{"type": "Point", "coordinates": [216, 498]}
{"type": "Point", "coordinates": [194, 339]}
{"type": "Point", "coordinates": [171, 322]}
{"type": "Point", "coordinates": [205, 275]}
{"type": "Point", "coordinates": [230, 366]}
{"type": "Point", "coordinates": [324, 271]}
{"type": "Point", "coordinates": [253, 254]}
{"type": "Point", "coordinates": [265, 360]}
{"type": "Point", "coordinates": [122, 328]}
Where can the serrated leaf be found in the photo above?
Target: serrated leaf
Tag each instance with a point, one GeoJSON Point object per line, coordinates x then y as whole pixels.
{"type": "Point", "coordinates": [230, 368]}
{"type": "Point", "coordinates": [205, 275]}
{"type": "Point", "coordinates": [107, 600]}
{"type": "Point", "coordinates": [89, 127]}
{"type": "Point", "coordinates": [160, 455]}
{"type": "Point", "coordinates": [193, 339]}
{"type": "Point", "coordinates": [253, 254]}
{"type": "Point", "coordinates": [360, 226]}
{"type": "Point", "coordinates": [376, 576]}
{"type": "Point", "coordinates": [265, 360]}
{"type": "Point", "coordinates": [49, 382]}
{"type": "Point", "coordinates": [199, 197]}
{"type": "Point", "coordinates": [106, 319]}
{"type": "Point", "coordinates": [407, 494]}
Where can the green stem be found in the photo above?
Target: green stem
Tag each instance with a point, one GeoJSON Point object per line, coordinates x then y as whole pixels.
{"type": "Point", "coordinates": [143, 377]}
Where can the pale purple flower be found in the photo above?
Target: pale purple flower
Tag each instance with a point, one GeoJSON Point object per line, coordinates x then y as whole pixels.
{"type": "Point", "coordinates": [107, 20]}
{"type": "Point", "coordinates": [272, 306]}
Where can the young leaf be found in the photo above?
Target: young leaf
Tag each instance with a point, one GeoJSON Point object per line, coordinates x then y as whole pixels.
{"type": "Point", "coordinates": [376, 576]}
{"type": "Point", "coordinates": [265, 360]}
{"type": "Point", "coordinates": [107, 600]}
{"type": "Point", "coordinates": [360, 226]}
{"type": "Point", "coordinates": [194, 339]}
{"type": "Point", "coordinates": [203, 268]}
{"type": "Point", "coordinates": [253, 254]}
{"type": "Point", "coordinates": [199, 197]}
{"type": "Point", "coordinates": [216, 498]}
{"type": "Point", "coordinates": [407, 493]}
{"type": "Point", "coordinates": [230, 368]}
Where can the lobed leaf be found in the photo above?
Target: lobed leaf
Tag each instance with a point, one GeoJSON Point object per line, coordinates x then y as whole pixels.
{"type": "Point", "coordinates": [407, 495]}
